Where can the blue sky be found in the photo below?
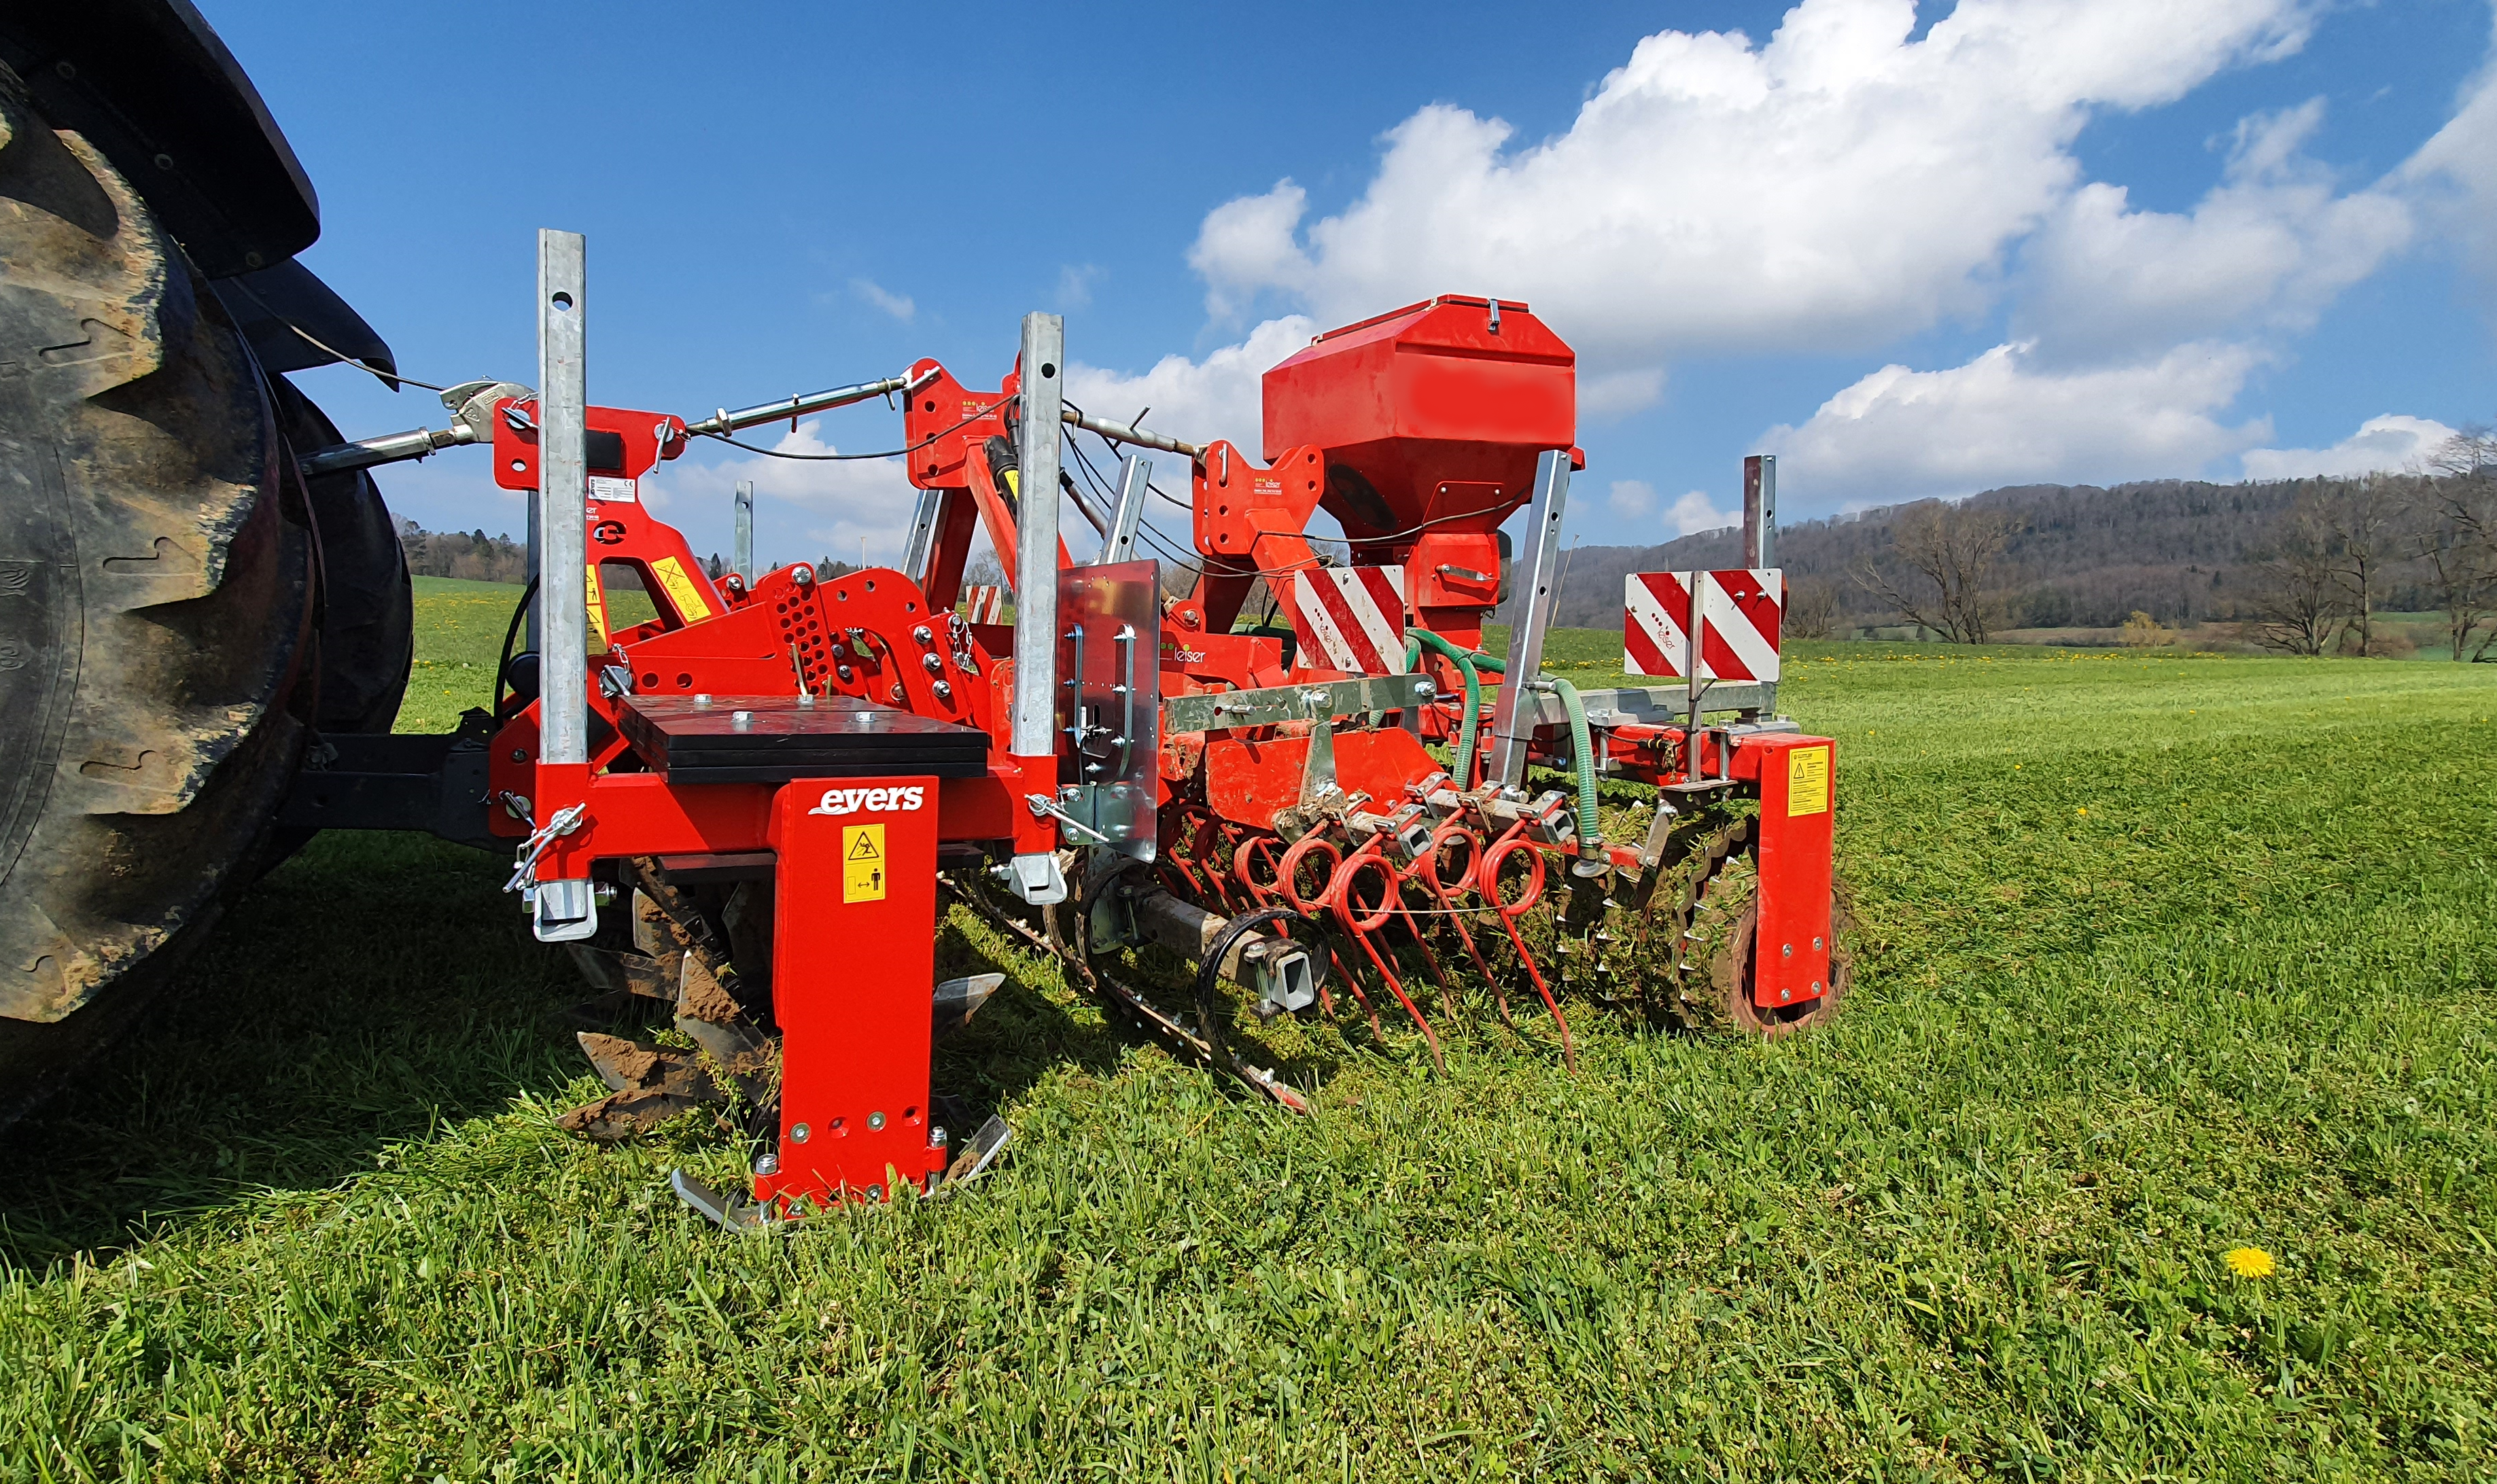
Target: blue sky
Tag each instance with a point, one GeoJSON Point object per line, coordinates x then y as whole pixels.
{"type": "Point", "coordinates": [1914, 250]}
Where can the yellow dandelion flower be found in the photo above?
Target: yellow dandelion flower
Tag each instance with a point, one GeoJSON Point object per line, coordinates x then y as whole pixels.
{"type": "Point", "coordinates": [2249, 1262]}
{"type": "Point", "coordinates": [2081, 812]}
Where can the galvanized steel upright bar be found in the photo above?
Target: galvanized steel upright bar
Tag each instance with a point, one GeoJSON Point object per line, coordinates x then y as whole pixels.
{"type": "Point", "coordinates": [1034, 734]}
{"type": "Point", "coordinates": [1694, 638]}
{"type": "Point", "coordinates": [1135, 482]}
{"type": "Point", "coordinates": [563, 396]}
{"type": "Point", "coordinates": [1761, 511]}
{"type": "Point", "coordinates": [922, 536]}
{"type": "Point", "coordinates": [745, 530]}
{"type": "Point", "coordinates": [1512, 725]}
{"type": "Point", "coordinates": [1035, 641]}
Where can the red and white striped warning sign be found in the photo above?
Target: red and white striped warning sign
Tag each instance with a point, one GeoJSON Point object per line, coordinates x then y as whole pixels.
{"type": "Point", "coordinates": [984, 603]}
{"type": "Point", "coordinates": [1350, 618]}
{"type": "Point", "coordinates": [1738, 635]}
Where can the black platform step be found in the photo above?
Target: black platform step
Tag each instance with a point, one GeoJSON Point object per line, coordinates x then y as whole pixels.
{"type": "Point", "coordinates": [776, 739]}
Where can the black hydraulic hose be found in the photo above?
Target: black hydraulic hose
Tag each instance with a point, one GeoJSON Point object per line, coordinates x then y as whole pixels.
{"type": "Point", "coordinates": [503, 660]}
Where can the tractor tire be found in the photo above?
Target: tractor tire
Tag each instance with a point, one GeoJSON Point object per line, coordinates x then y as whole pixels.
{"type": "Point", "coordinates": [156, 606]}
{"type": "Point", "coordinates": [1722, 946]}
{"type": "Point", "coordinates": [367, 605]}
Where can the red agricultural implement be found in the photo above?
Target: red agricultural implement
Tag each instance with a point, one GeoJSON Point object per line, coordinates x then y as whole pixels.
{"type": "Point", "coordinates": [752, 805]}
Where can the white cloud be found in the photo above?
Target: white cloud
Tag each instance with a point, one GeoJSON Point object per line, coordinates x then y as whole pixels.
{"type": "Point", "coordinates": [2266, 248]}
{"type": "Point", "coordinates": [822, 508]}
{"type": "Point", "coordinates": [2454, 176]}
{"type": "Point", "coordinates": [1619, 394]}
{"type": "Point", "coordinates": [1198, 400]}
{"type": "Point", "coordinates": [2391, 443]}
{"type": "Point", "coordinates": [2000, 419]}
{"type": "Point", "coordinates": [1075, 282]}
{"type": "Point", "coordinates": [1838, 185]}
{"type": "Point", "coordinates": [899, 305]}
{"type": "Point", "coordinates": [1695, 512]}
{"type": "Point", "coordinates": [1632, 505]}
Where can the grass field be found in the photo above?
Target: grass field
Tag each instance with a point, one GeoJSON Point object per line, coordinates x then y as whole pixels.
{"type": "Point", "coordinates": [2161, 956]}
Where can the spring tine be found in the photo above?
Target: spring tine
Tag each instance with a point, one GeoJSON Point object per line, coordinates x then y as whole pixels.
{"type": "Point", "coordinates": [1338, 898]}
{"type": "Point", "coordinates": [1394, 987]}
{"type": "Point", "coordinates": [1568, 1047]}
{"type": "Point", "coordinates": [1498, 994]}
{"type": "Point", "coordinates": [1439, 974]}
{"type": "Point", "coordinates": [1487, 881]}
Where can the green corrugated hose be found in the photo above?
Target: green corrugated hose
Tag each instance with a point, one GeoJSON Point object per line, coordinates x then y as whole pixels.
{"type": "Point", "coordinates": [1464, 660]}
{"type": "Point", "coordinates": [1582, 747]}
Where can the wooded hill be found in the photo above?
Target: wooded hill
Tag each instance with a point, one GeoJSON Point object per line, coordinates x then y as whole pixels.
{"type": "Point", "coordinates": [2182, 550]}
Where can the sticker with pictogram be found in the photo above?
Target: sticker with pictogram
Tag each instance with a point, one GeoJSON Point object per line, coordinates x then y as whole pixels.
{"type": "Point", "coordinates": [1807, 782]}
{"type": "Point", "coordinates": [862, 863]}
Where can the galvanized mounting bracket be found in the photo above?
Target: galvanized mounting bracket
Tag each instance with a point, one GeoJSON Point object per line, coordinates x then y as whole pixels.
{"type": "Point", "coordinates": [1538, 569]}
{"type": "Point", "coordinates": [1317, 771]}
{"type": "Point", "coordinates": [1212, 711]}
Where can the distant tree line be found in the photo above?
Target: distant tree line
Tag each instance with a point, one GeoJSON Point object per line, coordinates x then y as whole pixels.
{"type": "Point", "coordinates": [2301, 565]}
{"type": "Point", "coordinates": [477, 557]}
{"type": "Point", "coordinates": [471, 555]}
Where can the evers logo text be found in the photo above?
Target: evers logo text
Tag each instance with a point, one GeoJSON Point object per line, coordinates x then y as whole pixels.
{"type": "Point", "coordinates": [873, 800]}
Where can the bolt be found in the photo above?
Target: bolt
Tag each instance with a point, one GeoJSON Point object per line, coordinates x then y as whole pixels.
{"type": "Point", "coordinates": [936, 1137]}
{"type": "Point", "coordinates": [923, 634]}
{"type": "Point", "coordinates": [1787, 951]}
{"type": "Point", "coordinates": [933, 664]}
{"type": "Point", "coordinates": [1785, 994]}
{"type": "Point", "coordinates": [801, 574]}
{"type": "Point", "coordinates": [740, 717]}
{"type": "Point", "coordinates": [766, 1164]}
{"type": "Point", "coordinates": [874, 1122]}
{"type": "Point", "coordinates": [875, 1192]}
{"type": "Point", "coordinates": [701, 698]}
{"type": "Point", "coordinates": [895, 694]}
{"type": "Point", "coordinates": [844, 671]}
{"type": "Point", "coordinates": [944, 691]}
{"type": "Point", "coordinates": [520, 754]}
{"type": "Point", "coordinates": [1815, 942]}
{"type": "Point", "coordinates": [800, 1133]}
{"type": "Point", "coordinates": [1815, 986]}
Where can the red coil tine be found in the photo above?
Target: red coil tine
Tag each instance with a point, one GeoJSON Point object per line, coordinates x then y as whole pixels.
{"type": "Point", "coordinates": [1185, 862]}
{"type": "Point", "coordinates": [1487, 880]}
{"type": "Point", "coordinates": [1243, 868]}
{"type": "Point", "coordinates": [1245, 857]}
{"type": "Point", "coordinates": [1421, 940]}
{"type": "Point", "coordinates": [1287, 883]}
{"type": "Point", "coordinates": [1338, 897]}
{"type": "Point", "coordinates": [1427, 869]}
{"type": "Point", "coordinates": [1204, 839]}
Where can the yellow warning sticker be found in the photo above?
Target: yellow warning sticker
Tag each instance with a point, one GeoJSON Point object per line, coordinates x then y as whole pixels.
{"type": "Point", "coordinates": [683, 595]}
{"type": "Point", "coordinates": [597, 608]}
{"type": "Point", "coordinates": [862, 863]}
{"type": "Point", "coordinates": [1808, 781]}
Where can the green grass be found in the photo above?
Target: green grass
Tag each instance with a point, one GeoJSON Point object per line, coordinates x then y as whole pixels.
{"type": "Point", "coordinates": [460, 640]}
{"type": "Point", "coordinates": [2160, 956]}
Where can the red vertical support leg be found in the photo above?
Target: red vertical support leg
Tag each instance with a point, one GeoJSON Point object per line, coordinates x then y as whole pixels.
{"type": "Point", "coordinates": [1799, 802]}
{"type": "Point", "coordinates": [853, 967]}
